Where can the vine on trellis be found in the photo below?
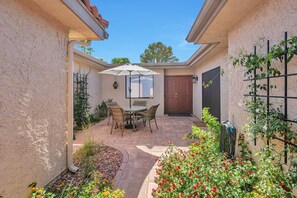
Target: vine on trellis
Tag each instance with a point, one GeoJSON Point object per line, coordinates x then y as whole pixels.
{"type": "Point", "coordinates": [81, 103]}
{"type": "Point", "coordinates": [267, 121]}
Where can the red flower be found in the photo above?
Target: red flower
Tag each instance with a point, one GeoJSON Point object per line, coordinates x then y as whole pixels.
{"type": "Point", "coordinates": [285, 187]}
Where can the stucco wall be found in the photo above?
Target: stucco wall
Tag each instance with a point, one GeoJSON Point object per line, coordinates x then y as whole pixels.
{"type": "Point", "coordinates": [118, 95]}
{"type": "Point", "coordinates": [219, 60]}
{"type": "Point", "coordinates": [33, 83]}
{"type": "Point", "coordinates": [94, 81]}
{"type": "Point", "coordinates": [269, 20]}
{"type": "Point", "coordinates": [178, 72]}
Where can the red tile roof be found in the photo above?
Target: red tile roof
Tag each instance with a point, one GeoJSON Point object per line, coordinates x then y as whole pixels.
{"type": "Point", "coordinates": [94, 10]}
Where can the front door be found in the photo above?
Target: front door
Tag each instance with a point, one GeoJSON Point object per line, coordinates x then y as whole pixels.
{"type": "Point", "coordinates": [211, 95]}
{"type": "Point", "coordinates": [178, 95]}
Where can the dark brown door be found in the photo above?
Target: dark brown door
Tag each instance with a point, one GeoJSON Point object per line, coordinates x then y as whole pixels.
{"type": "Point", "coordinates": [178, 95]}
{"type": "Point", "coordinates": [211, 95]}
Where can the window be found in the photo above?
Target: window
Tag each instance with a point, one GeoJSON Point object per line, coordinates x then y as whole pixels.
{"type": "Point", "coordinates": [141, 86]}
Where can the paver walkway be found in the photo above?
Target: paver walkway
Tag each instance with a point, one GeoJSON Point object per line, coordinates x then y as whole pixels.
{"type": "Point", "coordinates": [141, 149]}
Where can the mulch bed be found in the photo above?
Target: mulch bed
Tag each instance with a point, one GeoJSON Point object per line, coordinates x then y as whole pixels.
{"type": "Point", "coordinates": [106, 159]}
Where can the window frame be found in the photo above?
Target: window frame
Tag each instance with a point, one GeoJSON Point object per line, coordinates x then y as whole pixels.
{"type": "Point", "coordinates": [139, 87]}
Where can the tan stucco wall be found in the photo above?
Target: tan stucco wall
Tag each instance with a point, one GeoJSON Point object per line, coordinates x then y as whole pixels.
{"type": "Point", "coordinates": [218, 60]}
{"type": "Point", "coordinates": [33, 84]}
{"type": "Point", "coordinates": [118, 95]}
{"type": "Point", "coordinates": [94, 81]}
{"type": "Point", "coordinates": [270, 20]}
{"type": "Point", "coordinates": [178, 72]}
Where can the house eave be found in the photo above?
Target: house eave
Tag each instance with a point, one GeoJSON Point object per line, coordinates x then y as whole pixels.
{"type": "Point", "coordinates": [217, 18]}
{"type": "Point", "coordinates": [200, 53]}
{"type": "Point", "coordinates": [74, 15]}
{"type": "Point", "coordinates": [208, 12]}
{"type": "Point", "coordinates": [90, 59]}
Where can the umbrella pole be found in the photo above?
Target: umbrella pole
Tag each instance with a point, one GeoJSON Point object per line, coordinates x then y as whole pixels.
{"type": "Point", "coordinates": [130, 89]}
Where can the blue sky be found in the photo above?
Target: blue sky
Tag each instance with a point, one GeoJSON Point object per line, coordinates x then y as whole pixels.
{"type": "Point", "coordinates": [134, 24]}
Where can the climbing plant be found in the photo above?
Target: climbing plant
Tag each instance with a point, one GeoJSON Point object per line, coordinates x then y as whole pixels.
{"type": "Point", "coordinates": [81, 105]}
{"type": "Point", "coordinates": [266, 119]}
{"type": "Point", "coordinates": [252, 61]}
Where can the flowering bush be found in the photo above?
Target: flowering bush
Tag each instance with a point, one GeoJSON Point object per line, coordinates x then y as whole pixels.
{"type": "Point", "coordinates": [202, 171]}
{"type": "Point", "coordinates": [93, 189]}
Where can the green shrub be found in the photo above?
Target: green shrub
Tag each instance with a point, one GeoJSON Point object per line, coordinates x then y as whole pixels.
{"type": "Point", "coordinates": [202, 171]}
{"type": "Point", "coordinates": [84, 156]}
{"type": "Point", "coordinates": [101, 110]}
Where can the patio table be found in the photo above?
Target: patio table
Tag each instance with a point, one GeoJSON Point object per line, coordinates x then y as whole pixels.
{"type": "Point", "coordinates": [132, 113]}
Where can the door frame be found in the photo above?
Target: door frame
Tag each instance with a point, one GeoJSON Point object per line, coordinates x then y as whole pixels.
{"type": "Point", "coordinates": [165, 101]}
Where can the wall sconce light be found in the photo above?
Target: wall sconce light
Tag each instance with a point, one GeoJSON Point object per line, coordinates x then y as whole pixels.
{"type": "Point", "coordinates": [115, 83]}
{"type": "Point", "coordinates": [194, 79]}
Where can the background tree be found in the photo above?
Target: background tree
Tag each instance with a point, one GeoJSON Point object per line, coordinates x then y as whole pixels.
{"type": "Point", "coordinates": [120, 61]}
{"type": "Point", "coordinates": [87, 50]}
{"type": "Point", "coordinates": [158, 53]}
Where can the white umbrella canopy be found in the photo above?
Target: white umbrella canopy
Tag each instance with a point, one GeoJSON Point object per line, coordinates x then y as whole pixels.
{"type": "Point", "coordinates": [129, 70]}
{"type": "Point", "coordinates": [125, 70]}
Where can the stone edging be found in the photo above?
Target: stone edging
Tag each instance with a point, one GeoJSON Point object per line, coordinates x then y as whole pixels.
{"type": "Point", "coordinates": [123, 166]}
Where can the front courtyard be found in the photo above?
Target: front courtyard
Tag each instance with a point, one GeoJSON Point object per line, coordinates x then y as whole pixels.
{"type": "Point", "coordinates": [240, 80]}
{"type": "Point", "coordinates": [141, 150]}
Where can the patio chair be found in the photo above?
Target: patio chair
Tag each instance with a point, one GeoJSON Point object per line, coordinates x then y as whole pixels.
{"type": "Point", "coordinates": [139, 103]}
{"type": "Point", "coordinates": [110, 104]}
{"type": "Point", "coordinates": [149, 115]}
{"type": "Point", "coordinates": [118, 118]}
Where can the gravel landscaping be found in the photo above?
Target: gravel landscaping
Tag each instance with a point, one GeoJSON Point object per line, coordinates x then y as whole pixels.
{"type": "Point", "coordinates": [105, 160]}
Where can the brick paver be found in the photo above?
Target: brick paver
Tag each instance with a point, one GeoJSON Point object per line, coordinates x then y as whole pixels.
{"type": "Point", "coordinates": [140, 149]}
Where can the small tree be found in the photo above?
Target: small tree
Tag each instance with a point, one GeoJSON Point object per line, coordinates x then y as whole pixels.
{"type": "Point", "coordinates": [158, 53]}
{"type": "Point", "coordinates": [120, 61]}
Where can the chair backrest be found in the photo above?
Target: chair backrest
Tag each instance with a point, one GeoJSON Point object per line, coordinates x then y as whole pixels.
{"type": "Point", "coordinates": [139, 103]}
{"type": "Point", "coordinates": [117, 114]}
{"type": "Point", "coordinates": [151, 112]}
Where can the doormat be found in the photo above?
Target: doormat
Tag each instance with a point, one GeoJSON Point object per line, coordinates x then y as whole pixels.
{"type": "Point", "coordinates": [199, 123]}
{"type": "Point", "coordinates": [180, 114]}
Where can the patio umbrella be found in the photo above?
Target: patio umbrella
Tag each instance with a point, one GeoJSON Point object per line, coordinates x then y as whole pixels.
{"type": "Point", "coordinates": [129, 70]}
